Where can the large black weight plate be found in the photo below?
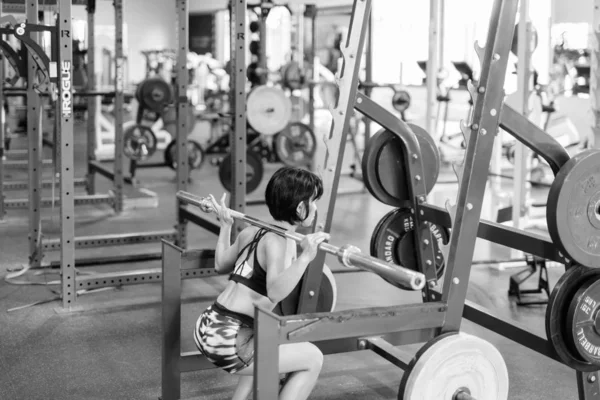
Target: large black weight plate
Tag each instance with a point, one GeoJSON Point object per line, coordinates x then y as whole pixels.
{"type": "Point", "coordinates": [254, 172]}
{"type": "Point", "coordinates": [154, 94]}
{"type": "Point", "coordinates": [401, 100]}
{"type": "Point", "coordinates": [584, 320]}
{"type": "Point", "coordinates": [375, 236]}
{"type": "Point", "coordinates": [139, 142]}
{"type": "Point", "coordinates": [384, 167]}
{"type": "Point", "coordinates": [557, 329]}
{"type": "Point", "coordinates": [514, 48]}
{"type": "Point", "coordinates": [393, 241]}
{"type": "Point", "coordinates": [573, 210]}
{"type": "Point", "coordinates": [326, 301]}
{"type": "Point", "coordinates": [195, 155]}
{"type": "Point", "coordinates": [296, 145]}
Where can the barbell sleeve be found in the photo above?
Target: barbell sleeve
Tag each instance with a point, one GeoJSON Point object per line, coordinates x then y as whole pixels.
{"type": "Point", "coordinates": [349, 256]}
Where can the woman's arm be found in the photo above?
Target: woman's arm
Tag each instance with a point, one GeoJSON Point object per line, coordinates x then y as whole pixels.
{"type": "Point", "coordinates": [281, 278]}
{"type": "Point", "coordinates": [226, 253]}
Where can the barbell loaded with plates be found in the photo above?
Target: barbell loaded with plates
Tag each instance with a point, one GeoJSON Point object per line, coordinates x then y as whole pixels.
{"type": "Point", "coordinates": [455, 366]}
{"type": "Point", "coordinates": [139, 142]}
{"type": "Point", "coordinates": [296, 145]}
{"type": "Point", "coordinates": [393, 240]}
{"type": "Point", "coordinates": [268, 110]}
{"type": "Point", "coordinates": [348, 255]}
{"type": "Point", "coordinates": [384, 165]}
{"type": "Point", "coordinates": [254, 172]}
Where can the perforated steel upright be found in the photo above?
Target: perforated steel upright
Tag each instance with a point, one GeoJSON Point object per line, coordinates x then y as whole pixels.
{"type": "Point", "coordinates": [330, 166]}
{"type": "Point", "coordinates": [91, 100]}
{"type": "Point", "coordinates": [238, 106]}
{"type": "Point", "coordinates": [34, 136]}
{"type": "Point", "coordinates": [2, 131]}
{"type": "Point", "coordinates": [118, 181]}
{"type": "Point", "coordinates": [66, 153]}
{"type": "Point", "coordinates": [182, 104]}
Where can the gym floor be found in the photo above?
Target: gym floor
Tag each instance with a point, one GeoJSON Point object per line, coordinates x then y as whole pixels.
{"type": "Point", "coordinates": [111, 349]}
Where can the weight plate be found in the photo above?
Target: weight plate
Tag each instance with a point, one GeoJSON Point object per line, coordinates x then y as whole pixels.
{"type": "Point", "coordinates": [558, 330]}
{"type": "Point", "coordinates": [326, 302]}
{"type": "Point", "coordinates": [296, 145]}
{"type": "Point", "coordinates": [384, 169]}
{"type": "Point", "coordinates": [254, 47]}
{"type": "Point", "coordinates": [139, 142]}
{"type": "Point", "coordinates": [268, 109]}
{"type": "Point", "coordinates": [375, 239]}
{"type": "Point", "coordinates": [393, 241]}
{"type": "Point", "coordinates": [453, 362]}
{"type": "Point", "coordinates": [154, 94]}
{"type": "Point", "coordinates": [584, 320]}
{"type": "Point", "coordinates": [291, 76]}
{"type": "Point", "coordinates": [514, 48]}
{"type": "Point", "coordinates": [573, 210]}
{"type": "Point", "coordinates": [401, 100]}
{"type": "Point", "coordinates": [252, 73]}
{"type": "Point", "coordinates": [254, 172]}
{"type": "Point", "coordinates": [195, 155]}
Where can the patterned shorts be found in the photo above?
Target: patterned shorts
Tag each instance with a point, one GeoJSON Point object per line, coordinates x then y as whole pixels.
{"type": "Point", "coordinates": [225, 337]}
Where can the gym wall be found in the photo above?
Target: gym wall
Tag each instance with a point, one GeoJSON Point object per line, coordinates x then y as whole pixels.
{"type": "Point", "coordinates": [150, 25]}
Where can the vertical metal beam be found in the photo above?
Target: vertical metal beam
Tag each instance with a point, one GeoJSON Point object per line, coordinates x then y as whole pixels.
{"type": "Point", "coordinates": [34, 136]}
{"type": "Point", "coordinates": [66, 151]}
{"type": "Point", "coordinates": [330, 165]}
{"type": "Point", "coordinates": [92, 101]}
{"type": "Point", "coordinates": [523, 93]}
{"type": "Point", "coordinates": [588, 385]}
{"type": "Point", "coordinates": [595, 72]}
{"type": "Point", "coordinates": [2, 131]}
{"type": "Point", "coordinates": [441, 32]}
{"type": "Point", "coordinates": [369, 73]}
{"type": "Point", "coordinates": [312, 14]}
{"type": "Point", "coordinates": [262, 57]}
{"type": "Point", "coordinates": [171, 321]}
{"type": "Point", "coordinates": [237, 137]}
{"type": "Point", "coordinates": [432, 66]}
{"type": "Point", "coordinates": [472, 181]}
{"type": "Point", "coordinates": [266, 345]}
{"type": "Point", "coordinates": [182, 105]}
{"type": "Point", "coordinates": [118, 181]}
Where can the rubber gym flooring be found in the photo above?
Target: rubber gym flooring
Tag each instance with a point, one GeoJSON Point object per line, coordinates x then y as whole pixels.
{"type": "Point", "coordinates": [111, 350]}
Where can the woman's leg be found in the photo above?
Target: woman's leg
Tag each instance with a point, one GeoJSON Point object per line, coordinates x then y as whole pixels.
{"type": "Point", "coordinates": [244, 387]}
{"type": "Point", "coordinates": [303, 361]}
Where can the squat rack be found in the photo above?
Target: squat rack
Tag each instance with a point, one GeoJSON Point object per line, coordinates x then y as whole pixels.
{"type": "Point", "coordinates": [352, 330]}
{"type": "Point", "coordinates": [67, 243]}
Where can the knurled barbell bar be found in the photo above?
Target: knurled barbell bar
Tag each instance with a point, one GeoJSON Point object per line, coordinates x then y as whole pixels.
{"type": "Point", "coordinates": [348, 255]}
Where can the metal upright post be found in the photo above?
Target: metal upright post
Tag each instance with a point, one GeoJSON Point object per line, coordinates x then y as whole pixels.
{"type": "Point", "coordinates": [34, 136]}
{"type": "Point", "coordinates": [432, 66]}
{"type": "Point", "coordinates": [119, 140]}
{"type": "Point", "coordinates": [66, 147]}
{"type": "Point", "coordinates": [182, 106]}
{"type": "Point", "coordinates": [2, 131]}
{"type": "Point", "coordinates": [237, 137]}
{"type": "Point", "coordinates": [369, 74]}
{"type": "Point", "coordinates": [330, 165]}
{"type": "Point", "coordinates": [595, 72]}
{"type": "Point", "coordinates": [311, 12]}
{"type": "Point", "coordinates": [473, 173]}
{"type": "Point", "coordinates": [92, 117]}
{"type": "Point", "coordinates": [524, 92]}
{"type": "Point", "coordinates": [262, 58]}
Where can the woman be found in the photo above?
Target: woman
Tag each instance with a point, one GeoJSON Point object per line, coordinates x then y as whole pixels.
{"type": "Point", "coordinates": [264, 269]}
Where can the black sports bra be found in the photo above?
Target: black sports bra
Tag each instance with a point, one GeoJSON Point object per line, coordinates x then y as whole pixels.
{"type": "Point", "coordinates": [254, 277]}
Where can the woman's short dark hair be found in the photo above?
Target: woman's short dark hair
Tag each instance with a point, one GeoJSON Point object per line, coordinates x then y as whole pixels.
{"type": "Point", "coordinates": [289, 187]}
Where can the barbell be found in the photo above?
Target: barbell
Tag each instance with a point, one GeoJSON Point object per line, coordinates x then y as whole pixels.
{"type": "Point", "coordinates": [348, 255]}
